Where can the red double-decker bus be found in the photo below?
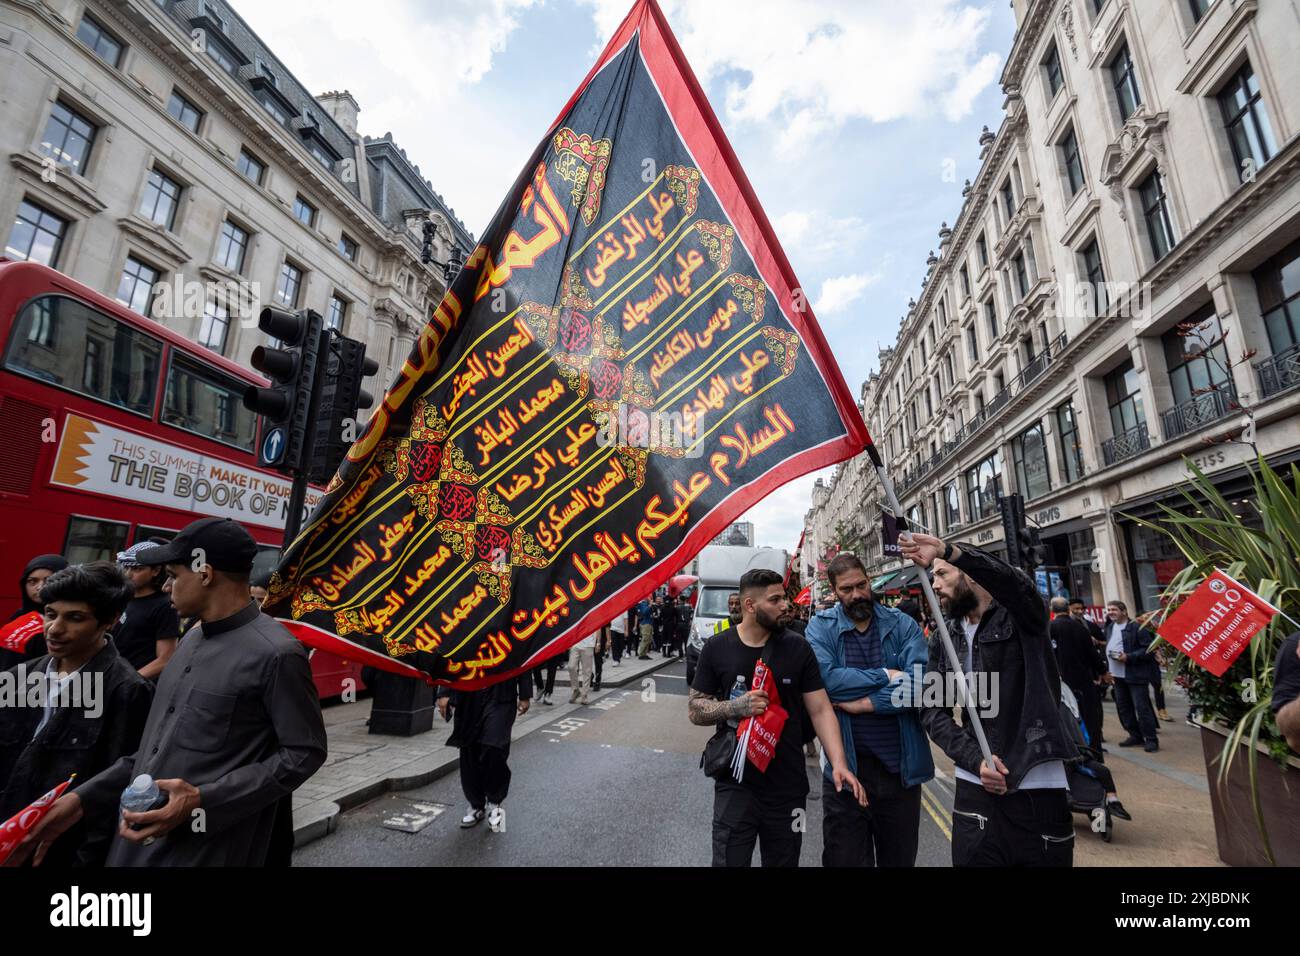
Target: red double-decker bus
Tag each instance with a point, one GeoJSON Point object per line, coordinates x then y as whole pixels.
{"type": "Point", "coordinates": [117, 430]}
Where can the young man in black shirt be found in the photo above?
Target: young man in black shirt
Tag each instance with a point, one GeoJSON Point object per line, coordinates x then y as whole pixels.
{"type": "Point", "coordinates": [147, 632]}
{"type": "Point", "coordinates": [768, 807]}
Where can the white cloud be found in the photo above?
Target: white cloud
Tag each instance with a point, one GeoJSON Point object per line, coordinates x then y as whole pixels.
{"type": "Point", "coordinates": [841, 292]}
{"type": "Point", "coordinates": [809, 67]}
{"type": "Point", "coordinates": [408, 64]}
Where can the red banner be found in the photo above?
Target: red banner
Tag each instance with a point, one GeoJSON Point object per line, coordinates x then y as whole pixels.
{"type": "Point", "coordinates": [18, 633]}
{"type": "Point", "coordinates": [20, 824]}
{"type": "Point", "coordinates": [1214, 625]}
{"type": "Point", "coordinates": [804, 597]}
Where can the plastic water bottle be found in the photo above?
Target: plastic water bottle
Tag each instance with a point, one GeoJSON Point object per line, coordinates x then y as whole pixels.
{"type": "Point", "coordinates": [141, 796]}
{"type": "Point", "coordinates": [737, 690]}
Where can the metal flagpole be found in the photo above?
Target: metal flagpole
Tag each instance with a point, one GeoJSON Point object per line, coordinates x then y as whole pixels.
{"type": "Point", "coordinates": [936, 612]}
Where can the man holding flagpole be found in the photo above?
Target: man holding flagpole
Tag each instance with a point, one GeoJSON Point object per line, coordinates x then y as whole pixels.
{"type": "Point", "coordinates": [766, 805]}
{"type": "Point", "coordinates": [1012, 810]}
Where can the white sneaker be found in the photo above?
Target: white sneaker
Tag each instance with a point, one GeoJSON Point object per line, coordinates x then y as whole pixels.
{"type": "Point", "coordinates": [496, 818]}
{"type": "Point", "coordinates": [616, 663]}
{"type": "Point", "coordinates": [472, 818]}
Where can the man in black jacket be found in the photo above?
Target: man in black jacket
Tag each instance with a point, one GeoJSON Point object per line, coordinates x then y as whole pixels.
{"type": "Point", "coordinates": [1015, 812]}
{"type": "Point", "coordinates": [1079, 665]}
{"type": "Point", "coordinates": [82, 731]}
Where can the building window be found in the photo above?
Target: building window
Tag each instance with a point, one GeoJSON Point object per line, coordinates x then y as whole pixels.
{"type": "Point", "coordinates": [214, 327]}
{"type": "Point", "coordinates": [251, 167]}
{"type": "Point", "coordinates": [1008, 193]}
{"type": "Point", "coordinates": [1195, 356]}
{"type": "Point", "coordinates": [338, 311]}
{"type": "Point", "coordinates": [222, 58]}
{"type": "Point", "coordinates": [1097, 301]}
{"type": "Point", "coordinates": [984, 487]}
{"type": "Point", "coordinates": [322, 155]}
{"type": "Point", "coordinates": [1124, 399]}
{"type": "Point", "coordinates": [135, 289]}
{"type": "Point", "coordinates": [107, 47]}
{"type": "Point", "coordinates": [1246, 121]}
{"type": "Point", "coordinates": [972, 345]}
{"type": "Point", "coordinates": [982, 249]}
{"type": "Point", "coordinates": [271, 106]}
{"type": "Point", "coordinates": [1052, 70]}
{"type": "Point", "coordinates": [1155, 210]}
{"type": "Point", "coordinates": [1073, 164]}
{"type": "Point", "coordinates": [348, 247]}
{"type": "Point", "coordinates": [1277, 283]}
{"type": "Point", "coordinates": [1123, 77]}
{"type": "Point", "coordinates": [288, 285]}
{"type": "Point", "coordinates": [184, 112]}
{"type": "Point", "coordinates": [965, 282]}
{"type": "Point", "coordinates": [161, 197]}
{"type": "Point", "coordinates": [1029, 449]}
{"type": "Point", "coordinates": [1067, 428]}
{"type": "Point", "coordinates": [68, 138]}
{"type": "Point", "coordinates": [37, 235]}
{"type": "Point", "coordinates": [231, 247]}
{"type": "Point", "coordinates": [952, 505]}
{"type": "Point", "coordinates": [304, 211]}
{"type": "Point", "coordinates": [947, 367]}
{"type": "Point", "coordinates": [1022, 275]}
{"type": "Point", "coordinates": [991, 320]}
{"type": "Point", "coordinates": [1199, 9]}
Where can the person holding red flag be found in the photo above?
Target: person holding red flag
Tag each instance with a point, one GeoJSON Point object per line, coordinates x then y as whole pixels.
{"type": "Point", "coordinates": [766, 805]}
{"type": "Point", "coordinates": [42, 746]}
{"type": "Point", "coordinates": [21, 638]}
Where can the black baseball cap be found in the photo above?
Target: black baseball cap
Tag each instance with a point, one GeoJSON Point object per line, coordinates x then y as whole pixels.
{"type": "Point", "coordinates": [226, 546]}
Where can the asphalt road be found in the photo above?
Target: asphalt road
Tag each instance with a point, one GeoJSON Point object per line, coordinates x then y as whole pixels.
{"type": "Point", "coordinates": [616, 783]}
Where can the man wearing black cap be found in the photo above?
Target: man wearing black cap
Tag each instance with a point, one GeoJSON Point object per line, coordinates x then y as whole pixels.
{"type": "Point", "coordinates": [235, 725]}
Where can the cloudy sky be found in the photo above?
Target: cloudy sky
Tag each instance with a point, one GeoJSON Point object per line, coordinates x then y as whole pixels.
{"type": "Point", "coordinates": [856, 120]}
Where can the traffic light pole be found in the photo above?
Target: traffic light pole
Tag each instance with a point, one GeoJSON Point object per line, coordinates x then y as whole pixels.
{"type": "Point", "coordinates": [298, 495]}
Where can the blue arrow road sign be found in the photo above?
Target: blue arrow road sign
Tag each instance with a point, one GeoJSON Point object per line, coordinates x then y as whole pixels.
{"type": "Point", "coordinates": [273, 443]}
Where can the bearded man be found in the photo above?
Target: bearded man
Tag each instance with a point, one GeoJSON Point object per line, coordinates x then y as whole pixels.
{"type": "Point", "coordinates": [872, 658]}
{"type": "Point", "coordinates": [1015, 812]}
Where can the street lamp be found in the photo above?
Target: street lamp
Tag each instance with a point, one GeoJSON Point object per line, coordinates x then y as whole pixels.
{"type": "Point", "coordinates": [455, 258]}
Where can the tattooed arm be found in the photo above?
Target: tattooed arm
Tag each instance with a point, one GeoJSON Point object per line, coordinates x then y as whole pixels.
{"type": "Point", "coordinates": [704, 710]}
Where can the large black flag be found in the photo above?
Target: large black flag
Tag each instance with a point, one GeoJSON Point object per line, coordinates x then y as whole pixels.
{"type": "Point", "coordinates": [624, 365]}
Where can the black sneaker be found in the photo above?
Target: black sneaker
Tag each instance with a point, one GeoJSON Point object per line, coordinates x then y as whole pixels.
{"type": "Point", "coordinates": [1117, 810]}
{"type": "Point", "coordinates": [1130, 742]}
{"type": "Point", "coordinates": [1151, 746]}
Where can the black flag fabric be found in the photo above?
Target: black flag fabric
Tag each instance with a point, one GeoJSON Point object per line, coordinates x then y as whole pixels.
{"type": "Point", "coordinates": [624, 365]}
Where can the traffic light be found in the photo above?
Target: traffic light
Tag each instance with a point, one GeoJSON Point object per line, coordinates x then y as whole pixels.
{"type": "Point", "coordinates": [342, 397]}
{"type": "Point", "coordinates": [1013, 525]}
{"type": "Point", "coordinates": [1032, 550]}
{"type": "Point", "coordinates": [287, 405]}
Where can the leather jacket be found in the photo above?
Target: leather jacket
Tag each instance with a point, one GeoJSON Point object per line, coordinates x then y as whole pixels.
{"type": "Point", "coordinates": [1012, 641]}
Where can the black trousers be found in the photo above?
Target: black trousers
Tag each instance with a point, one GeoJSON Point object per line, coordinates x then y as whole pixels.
{"type": "Point", "coordinates": [1158, 686]}
{"type": "Point", "coordinates": [741, 819]}
{"type": "Point", "coordinates": [618, 643]}
{"type": "Point", "coordinates": [885, 833]}
{"type": "Point", "coordinates": [1135, 713]}
{"type": "Point", "coordinates": [598, 657]}
{"type": "Point", "coordinates": [549, 686]}
{"type": "Point", "coordinates": [1091, 712]}
{"type": "Point", "coordinates": [484, 774]}
{"type": "Point", "coordinates": [1025, 828]}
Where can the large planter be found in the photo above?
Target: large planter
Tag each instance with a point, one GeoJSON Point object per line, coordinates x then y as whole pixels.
{"type": "Point", "coordinates": [1234, 814]}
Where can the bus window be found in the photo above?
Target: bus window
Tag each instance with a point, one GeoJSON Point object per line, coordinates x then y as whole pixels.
{"type": "Point", "coordinates": [94, 539]}
{"type": "Point", "coordinates": [202, 400]}
{"type": "Point", "coordinates": [67, 343]}
{"type": "Point", "coordinates": [144, 533]}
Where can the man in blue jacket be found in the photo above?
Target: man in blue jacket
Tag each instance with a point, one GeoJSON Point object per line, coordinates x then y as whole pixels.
{"type": "Point", "coordinates": [870, 655]}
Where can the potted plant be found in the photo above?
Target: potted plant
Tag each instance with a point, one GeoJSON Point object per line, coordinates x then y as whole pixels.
{"type": "Point", "coordinates": [1255, 801]}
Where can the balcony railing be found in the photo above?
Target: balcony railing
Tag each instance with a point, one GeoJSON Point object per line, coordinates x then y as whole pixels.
{"type": "Point", "coordinates": [1200, 411]}
{"type": "Point", "coordinates": [1032, 371]}
{"type": "Point", "coordinates": [1280, 372]}
{"type": "Point", "coordinates": [1126, 445]}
